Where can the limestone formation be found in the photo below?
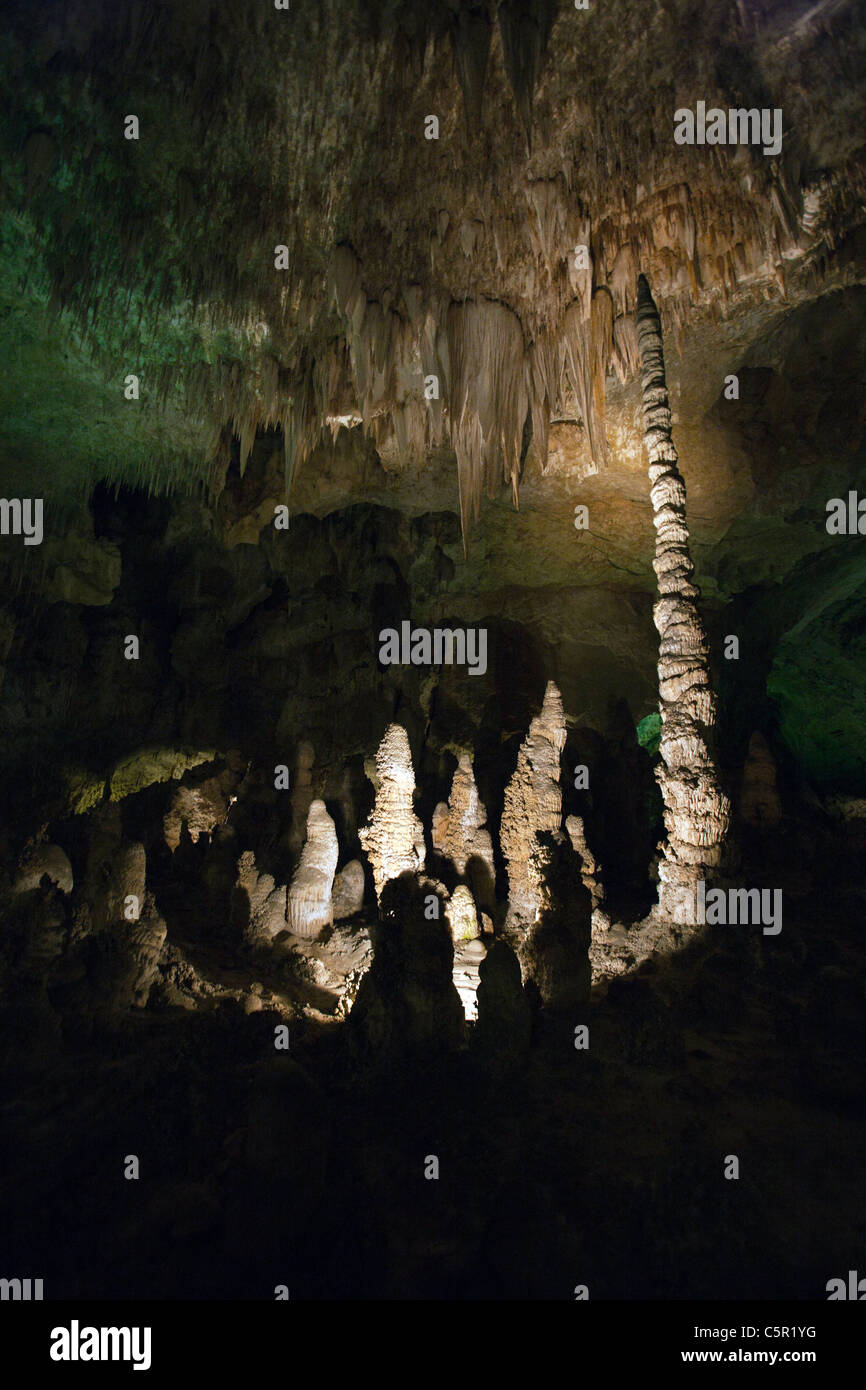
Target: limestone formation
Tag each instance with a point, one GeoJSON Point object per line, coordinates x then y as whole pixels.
{"type": "Point", "coordinates": [533, 804]}
{"type": "Point", "coordinates": [759, 798]}
{"type": "Point", "coordinates": [301, 793]}
{"type": "Point", "coordinates": [258, 906]}
{"type": "Point", "coordinates": [468, 956]}
{"type": "Point", "coordinates": [459, 833]}
{"type": "Point", "coordinates": [347, 895]}
{"type": "Point", "coordinates": [393, 839]}
{"type": "Point", "coordinates": [309, 906]}
{"type": "Point", "coordinates": [504, 1025]}
{"type": "Point", "coordinates": [40, 861]}
{"type": "Point", "coordinates": [697, 812]}
{"type": "Point", "coordinates": [407, 1002]}
{"type": "Point", "coordinates": [199, 808]}
{"type": "Point", "coordinates": [591, 873]}
{"type": "Point", "coordinates": [554, 950]}
{"type": "Point", "coordinates": [461, 914]}
{"type": "Point", "coordinates": [115, 873]}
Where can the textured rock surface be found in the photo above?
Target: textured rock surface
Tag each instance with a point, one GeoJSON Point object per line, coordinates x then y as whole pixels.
{"type": "Point", "coordinates": [309, 907]}
{"type": "Point", "coordinates": [459, 833]}
{"type": "Point", "coordinates": [347, 896]}
{"type": "Point", "coordinates": [554, 949]}
{"type": "Point", "coordinates": [591, 874]}
{"type": "Point", "coordinates": [258, 906]}
{"type": "Point", "coordinates": [462, 915]}
{"type": "Point", "coordinates": [199, 808]}
{"type": "Point", "coordinates": [393, 840]}
{"type": "Point", "coordinates": [697, 812]}
{"type": "Point", "coordinates": [533, 804]}
{"type": "Point", "coordinates": [468, 956]}
{"type": "Point", "coordinates": [41, 860]}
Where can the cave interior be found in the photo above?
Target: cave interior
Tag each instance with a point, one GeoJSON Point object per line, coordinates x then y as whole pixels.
{"type": "Point", "coordinates": [432, 649]}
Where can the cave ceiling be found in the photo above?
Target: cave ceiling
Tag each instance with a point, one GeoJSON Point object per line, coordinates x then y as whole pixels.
{"type": "Point", "coordinates": [432, 300]}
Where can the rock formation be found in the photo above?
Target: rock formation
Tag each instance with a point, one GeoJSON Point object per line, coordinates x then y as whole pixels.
{"type": "Point", "coordinates": [40, 861]}
{"type": "Point", "coordinates": [760, 805]}
{"type": "Point", "coordinates": [347, 895]}
{"type": "Point", "coordinates": [591, 874]}
{"type": "Point", "coordinates": [459, 833]}
{"type": "Point", "coordinates": [461, 914]}
{"type": "Point", "coordinates": [697, 812]}
{"type": "Point", "coordinates": [504, 1026]}
{"type": "Point", "coordinates": [468, 956]}
{"type": "Point", "coordinates": [123, 960]}
{"type": "Point", "coordinates": [301, 793]}
{"type": "Point", "coordinates": [258, 906]}
{"type": "Point", "coordinates": [309, 904]}
{"type": "Point", "coordinates": [533, 804]}
{"type": "Point", "coordinates": [407, 1003]}
{"type": "Point", "coordinates": [554, 949]}
{"type": "Point", "coordinates": [199, 808]}
{"type": "Point", "coordinates": [393, 839]}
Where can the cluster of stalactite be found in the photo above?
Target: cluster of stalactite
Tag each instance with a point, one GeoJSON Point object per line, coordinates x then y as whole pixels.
{"type": "Point", "coordinates": [506, 273]}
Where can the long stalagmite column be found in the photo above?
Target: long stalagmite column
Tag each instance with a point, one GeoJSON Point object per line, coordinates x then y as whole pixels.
{"type": "Point", "coordinates": [697, 812]}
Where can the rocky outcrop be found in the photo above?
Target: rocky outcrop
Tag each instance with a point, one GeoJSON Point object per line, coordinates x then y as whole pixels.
{"type": "Point", "coordinates": [697, 812]}
{"type": "Point", "coordinates": [393, 840]}
{"type": "Point", "coordinates": [533, 804]}
{"type": "Point", "coordinates": [459, 834]}
{"type": "Point", "coordinates": [309, 903]}
{"type": "Point", "coordinates": [760, 805]}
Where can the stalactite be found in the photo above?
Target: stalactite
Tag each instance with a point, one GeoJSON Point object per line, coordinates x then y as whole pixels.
{"type": "Point", "coordinates": [697, 812]}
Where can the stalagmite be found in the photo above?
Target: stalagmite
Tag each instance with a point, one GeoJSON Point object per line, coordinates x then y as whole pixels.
{"type": "Point", "coordinates": [590, 872]}
{"type": "Point", "coordinates": [393, 840]}
{"type": "Point", "coordinates": [407, 1002]}
{"type": "Point", "coordinates": [309, 901]}
{"type": "Point", "coordinates": [461, 914]}
{"type": "Point", "coordinates": [459, 835]}
{"type": "Point", "coordinates": [347, 896]}
{"type": "Point", "coordinates": [760, 806]}
{"type": "Point", "coordinates": [697, 812]}
{"type": "Point", "coordinates": [533, 804]}
{"type": "Point", "coordinates": [258, 905]}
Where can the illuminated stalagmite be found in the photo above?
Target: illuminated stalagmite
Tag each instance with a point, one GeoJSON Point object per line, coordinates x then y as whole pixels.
{"type": "Point", "coordinates": [309, 899]}
{"type": "Point", "coordinates": [393, 840]}
{"type": "Point", "coordinates": [459, 833]}
{"type": "Point", "coordinates": [533, 804]}
{"type": "Point", "coordinates": [697, 812]}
